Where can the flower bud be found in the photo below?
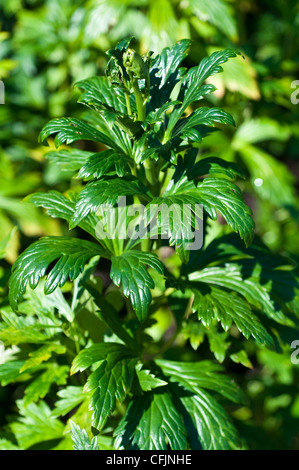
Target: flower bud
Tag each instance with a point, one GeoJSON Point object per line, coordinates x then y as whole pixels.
{"type": "Point", "coordinates": [134, 63]}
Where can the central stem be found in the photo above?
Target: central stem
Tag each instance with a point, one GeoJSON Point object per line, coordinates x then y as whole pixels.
{"type": "Point", "coordinates": [138, 97]}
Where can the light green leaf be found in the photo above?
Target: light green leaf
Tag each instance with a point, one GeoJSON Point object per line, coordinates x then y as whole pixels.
{"type": "Point", "coordinates": [35, 425]}
{"type": "Point", "coordinates": [42, 354]}
{"type": "Point", "coordinates": [70, 397]}
{"type": "Point", "coordinates": [147, 380]}
{"type": "Point", "coordinates": [81, 439]}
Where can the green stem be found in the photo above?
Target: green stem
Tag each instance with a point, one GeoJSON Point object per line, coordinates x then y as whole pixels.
{"type": "Point", "coordinates": [138, 97]}
{"type": "Point", "coordinates": [128, 104]}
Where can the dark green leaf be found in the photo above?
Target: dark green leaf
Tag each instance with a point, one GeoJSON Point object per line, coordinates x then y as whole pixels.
{"type": "Point", "coordinates": [32, 264]}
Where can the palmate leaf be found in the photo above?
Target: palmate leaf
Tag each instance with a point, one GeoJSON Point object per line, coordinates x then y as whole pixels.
{"type": "Point", "coordinates": [269, 284]}
{"type": "Point", "coordinates": [70, 130]}
{"type": "Point", "coordinates": [110, 381]}
{"type": "Point", "coordinates": [203, 374]}
{"type": "Point", "coordinates": [217, 305]}
{"type": "Point", "coordinates": [35, 425]}
{"type": "Point", "coordinates": [219, 194]}
{"type": "Point", "coordinates": [32, 264]}
{"type": "Point", "coordinates": [208, 425]}
{"type": "Point", "coordinates": [99, 164]}
{"type": "Point", "coordinates": [105, 191]}
{"type": "Point", "coordinates": [81, 440]}
{"type": "Point", "coordinates": [151, 422]}
{"type": "Point", "coordinates": [202, 116]}
{"type": "Point", "coordinates": [130, 269]}
{"type": "Point", "coordinates": [154, 419]}
{"type": "Point", "coordinates": [59, 206]}
{"type": "Point", "coordinates": [164, 73]}
{"type": "Point", "coordinates": [192, 88]}
{"type": "Point", "coordinates": [69, 159]}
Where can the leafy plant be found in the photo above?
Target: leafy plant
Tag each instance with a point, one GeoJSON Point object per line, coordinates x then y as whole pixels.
{"type": "Point", "coordinates": [114, 349]}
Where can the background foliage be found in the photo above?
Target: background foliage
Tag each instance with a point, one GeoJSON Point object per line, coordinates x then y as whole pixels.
{"type": "Point", "coordinates": [47, 46]}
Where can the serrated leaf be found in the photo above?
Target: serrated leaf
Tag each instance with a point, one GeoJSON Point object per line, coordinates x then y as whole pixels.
{"type": "Point", "coordinates": [192, 84]}
{"type": "Point", "coordinates": [214, 166]}
{"type": "Point", "coordinates": [99, 90]}
{"type": "Point", "coordinates": [95, 353]}
{"type": "Point", "coordinates": [211, 427]}
{"type": "Point", "coordinates": [42, 354]}
{"type": "Point", "coordinates": [32, 264]}
{"type": "Point", "coordinates": [35, 425]}
{"type": "Point", "coordinates": [105, 191]}
{"type": "Point", "coordinates": [197, 375]}
{"type": "Point", "coordinates": [216, 304]}
{"type": "Point", "coordinates": [69, 397]}
{"type": "Point", "coordinates": [148, 381]}
{"type": "Point", "coordinates": [219, 194]}
{"type": "Point", "coordinates": [230, 277]}
{"type": "Point", "coordinates": [151, 422]}
{"type": "Point", "coordinates": [111, 382]}
{"type": "Point", "coordinates": [99, 164]}
{"type": "Point", "coordinates": [202, 117]}
{"type": "Point", "coordinates": [70, 130]}
{"type": "Point", "coordinates": [69, 159]}
{"type": "Point", "coordinates": [39, 387]}
{"type": "Point", "coordinates": [58, 205]}
{"type": "Point", "coordinates": [81, 440]}
{"type": "Point", "coordinates": [164, 72]}
{"type": "Point", "coordinates": [130, 270]}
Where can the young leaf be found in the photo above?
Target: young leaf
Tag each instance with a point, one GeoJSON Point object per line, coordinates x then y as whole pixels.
{"type": "Point", "coordinates": [147, 380]}
{"type": "Point", "coordinates": [192, 88]}
{"type": "Point", "coordinates": [81, 439]}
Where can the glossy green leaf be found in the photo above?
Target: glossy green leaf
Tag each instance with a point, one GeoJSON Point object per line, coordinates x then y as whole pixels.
{"type": "Point", "coordinates": [151, 422]}
{"type": "Point", "coordinates": [129, 269]}
{"type": "Point", "coordinates": [70, 130]}
{"type": "Point", "coordinates": [31, 266]}
{"type": "Point", "coordinates": [81, 439]}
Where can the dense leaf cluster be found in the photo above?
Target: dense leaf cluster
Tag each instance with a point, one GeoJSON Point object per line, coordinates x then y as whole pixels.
{"type": "Point", "coordinates": [146, 116]}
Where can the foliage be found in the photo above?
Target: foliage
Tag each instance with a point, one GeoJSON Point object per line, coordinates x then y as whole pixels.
{"type": "Point", "coordinates": [116, 350]}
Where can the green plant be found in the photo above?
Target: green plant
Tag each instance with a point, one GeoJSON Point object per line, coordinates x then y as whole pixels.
{"type": "Point", "coordinates": [126, 357]}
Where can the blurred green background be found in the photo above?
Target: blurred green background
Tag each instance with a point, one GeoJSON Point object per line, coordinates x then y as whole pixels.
{"type": "Point", "coordinates": [46, 46]}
